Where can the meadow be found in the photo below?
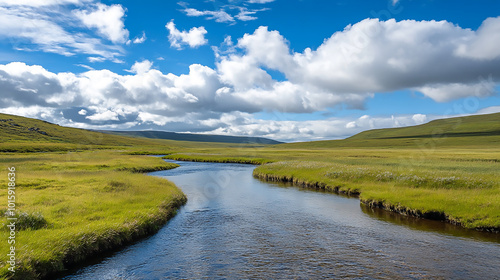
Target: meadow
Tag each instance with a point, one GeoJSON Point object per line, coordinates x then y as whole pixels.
{"type": "Point", "coordinates": [447, 169]}
{"type": "Point", "coordinates": [72, 206]}
{"type": "Point", "coordinates": [80, 193]}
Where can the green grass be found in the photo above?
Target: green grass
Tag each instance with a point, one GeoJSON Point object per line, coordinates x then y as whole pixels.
{"type": "Point", "coordinates": [76, 205]}
{"type": "Point", "coordinates": [80, 192]}
{"type": "Point", "coordinates": [460, 185]}
{"type": "Point", "coordinates": [457, 183]}
{"type": "Point", "coordinates": [472, 131]}
{"type": "Point", "coordinates": [470, 201]}
{"type": "Point", "coordinates": [216, 158]}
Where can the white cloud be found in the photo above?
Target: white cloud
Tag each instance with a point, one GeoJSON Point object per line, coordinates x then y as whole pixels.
{"type": "Point", "coordinates": [108, 20]}
{"type": "Point", "coordinates": [218, 16]}
{"type": "Point", "coordinates": [419, 118]}
{"type": "Point", "coordinates": [141, 67]}
{"type": "Point", "coordinates": [82, 112]}
{"type": "Point", "coordinates": [140, 40]}
{"type": "Point", "coordinates": [104, 116]}
{"type": "Point", "coordinates": [39, 3]}
{"type": "Point", "coordinates": [96, 59]}
{"type": "Point", "coordinates": [194, 38]}
{"type": "Point", "coordinates": [484, 43]}
{"type": "Point", "coordinates": [247, 15]}
{"type": "Point", "coordinates": [50, 26]}
{"type": "Point", "coordinates": [448, 92]}
{"type": "Point", "coordinates": [349, 67]}
{"type": "Point", "coordinates": [226, 11]}
{"type": "Point", "coordinates": [292, 130]}
{"type": "Point", "coordinates": [368, 57]}
{"type": "Point", "coordinates": [85, 66]}
{"type": "Point", "coordinates": [490, 110]}
{"type": "Point", "coordinates": [260, 1]}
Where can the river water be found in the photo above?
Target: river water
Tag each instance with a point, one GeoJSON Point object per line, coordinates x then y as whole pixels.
{"type": "Point", "coordinates": [237, 227]}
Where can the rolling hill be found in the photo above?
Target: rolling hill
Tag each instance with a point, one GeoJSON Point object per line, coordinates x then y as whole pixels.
{"type": "Point", "coordinates": [193, 137]}
{"type": "Point", "coordinates": [16, 129]}
{"type": "Point", "coordinates": [19, 134]}
{"type": "Point", "coordinates": [477, 130]}
{"type": "Point", "coordinates": [478, 125]}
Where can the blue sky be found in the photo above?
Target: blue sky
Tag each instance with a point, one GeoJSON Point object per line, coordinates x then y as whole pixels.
{"type": "Point", "coordinates": [293, 70]}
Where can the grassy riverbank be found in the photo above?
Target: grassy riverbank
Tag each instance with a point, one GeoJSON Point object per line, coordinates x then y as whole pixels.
{"type": "Point", "coordinates": [72, 206]}
{"type": "Point", "coordinates": [460, 185]}
{"type": "Point", "coordinates": [80, 193]}
{"type": "Point", "coordinates": [447, 169]}
{"type": "Point", "coordinates": [458, 197]}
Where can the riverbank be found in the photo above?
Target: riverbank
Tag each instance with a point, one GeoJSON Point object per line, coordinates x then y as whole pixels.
{"type": "Point", "coordinates": [467, 202]}
{"type": "Point", "coordinates": [460, 187]}
{"type": "Point", "coordinates": [74, 206]}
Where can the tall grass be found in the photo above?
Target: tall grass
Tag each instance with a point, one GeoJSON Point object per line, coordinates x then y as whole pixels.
{"type": "Point", "coordinates": [459, 197]}
{"type": "Point", "coordinates": [72, 206]}
{"type": "Point", "coordinates": [459, 184]}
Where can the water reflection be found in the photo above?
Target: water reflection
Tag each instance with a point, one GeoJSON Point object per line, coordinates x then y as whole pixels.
{"type": "Point", "coordinates": [237, 227]}
{"type": "Point", "coordinates": [428, 225]}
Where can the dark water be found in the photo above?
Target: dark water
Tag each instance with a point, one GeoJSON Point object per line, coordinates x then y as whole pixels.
{"type": "Point", "coordinates": [236, 227]}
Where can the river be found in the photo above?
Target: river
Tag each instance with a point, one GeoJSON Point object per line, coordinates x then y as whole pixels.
{"type": "Point", "coordinates": [237, 227]}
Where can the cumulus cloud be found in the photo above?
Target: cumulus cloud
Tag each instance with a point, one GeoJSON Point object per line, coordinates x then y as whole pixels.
{"type": "Point", "coordinates": [287, 130]}
{"type": "Point", "coordinates": [419, 118]}
{"type": "Point", "coordinates": [194, 38]}
{"type": "Point", "coordinates": [141, 67]}
{"type": "Point", "coordinates": [352, 65]}
{"type": "Point", "coordinates": [52, 26]}
{"type": "Point", "coordinates": [104, 116]}
{"type": "Point", "coordinates": [483, 43]}
{"type": "Point", "coordinates": [369, 57]}
{"type": "Point", "coordinates": [108, 20]}
{"type": "Point", "coordinates": [381, 56]}
{"type": "Point", "coordinates": [448, 92]}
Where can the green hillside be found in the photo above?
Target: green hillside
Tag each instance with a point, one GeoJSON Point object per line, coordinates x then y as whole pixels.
{"type": "Point", "coordinates": [20, 134]}
{"type": "Point", "coordinates": [15, 129]}
{"type": "Point", "coordinates": [479, 125]}
{"type": "Point", "coordinates": [194, 137]}
{"type": "Point", "coordinates": [478, 130]}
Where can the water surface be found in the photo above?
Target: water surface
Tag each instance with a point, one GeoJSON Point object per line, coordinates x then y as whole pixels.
{"type": "Point", "coordinates": [237, 227]}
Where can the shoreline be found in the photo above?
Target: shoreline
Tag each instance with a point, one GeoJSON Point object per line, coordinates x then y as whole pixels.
{"type": "Point", "coordinates": [121, 202]}
{"type": "Point", "coordinates": [351, 192]}
{"type": "Point", "coordinates": [120, 240]}
{"type": "Point", "coordinates": [399, 209]}
{"type": "Point", "coordinates": [110, 241]}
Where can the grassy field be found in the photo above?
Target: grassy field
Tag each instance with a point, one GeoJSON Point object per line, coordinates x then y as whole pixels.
{"type": "Point", "coordinates": [71, 206]}
{"type": "Point", "coordinates": [80, 193]}
{"type": "Point", "coordinates": [461, 185]}
{"type": "Point", "coordinates": [447, 169]}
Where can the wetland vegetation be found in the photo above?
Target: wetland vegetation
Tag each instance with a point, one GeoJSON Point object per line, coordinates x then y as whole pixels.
{"type": "Point", "coordinates": [79, 193]}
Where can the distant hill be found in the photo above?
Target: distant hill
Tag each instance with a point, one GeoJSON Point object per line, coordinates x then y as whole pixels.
{"type": "Point", "coordinates": [478, 125]}
{"type": "Point", "coordinates": [193, 137]}
{"type": "Point", "coordinates": [27, 134]}
{"type": "Point", "coordinates": [477, 130]}
{"type": "Point", "coordinates": [21, 134]}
